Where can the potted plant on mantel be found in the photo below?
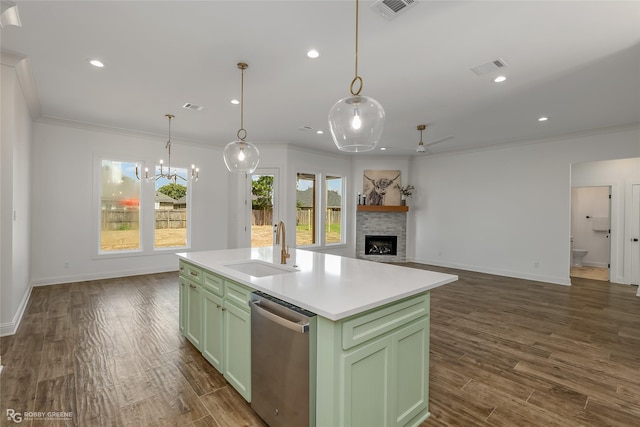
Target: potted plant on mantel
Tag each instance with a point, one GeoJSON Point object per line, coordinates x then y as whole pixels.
{"type": "Point", "coordinates": [405, 192]}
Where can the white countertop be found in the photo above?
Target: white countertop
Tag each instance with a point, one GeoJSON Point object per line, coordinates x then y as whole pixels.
{"type": "Point", "coordinates": [331, 286]}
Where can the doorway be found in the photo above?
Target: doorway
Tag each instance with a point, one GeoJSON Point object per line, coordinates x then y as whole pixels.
{"type": "Point", "coordinates": [591, 232]}
{"type": "Point", "coordinates": [263, 210]}
{"type": "Point", "coordinates": [635, 235]}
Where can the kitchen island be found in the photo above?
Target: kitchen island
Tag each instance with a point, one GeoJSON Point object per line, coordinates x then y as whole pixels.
{"type": "Point", "coordinates": [369, 343]}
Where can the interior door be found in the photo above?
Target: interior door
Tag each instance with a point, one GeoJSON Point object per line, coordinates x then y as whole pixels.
{"type": "Point", "coordinates": [635, 235]}
{"type": "Point", "coordinates": [262, 205]}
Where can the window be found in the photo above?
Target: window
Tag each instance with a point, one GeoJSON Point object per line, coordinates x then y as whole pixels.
{"type": "Point", "coordinates": [170, 230]}
{"type": "Point", "coordinates": [305, 209]}
{"type": "Point", "coordinates": [319, 208]}
{"type": "Point", "coordinates": [333, 203]}
{"type": "Point", "coordinates": [264, 210]}
{"type": "Point", "coordinates": [136, 214]}
{"type": "Point", "coordinates": [119, 207]}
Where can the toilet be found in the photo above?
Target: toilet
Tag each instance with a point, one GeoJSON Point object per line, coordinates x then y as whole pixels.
{"type": "Point", "coordinates": [578, 255]}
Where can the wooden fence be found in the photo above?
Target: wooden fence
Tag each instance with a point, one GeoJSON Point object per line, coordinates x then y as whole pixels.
{"type": "Point", "coordinates": [303, 216]}
{"type": "Point", "coordinates": [129, 219]}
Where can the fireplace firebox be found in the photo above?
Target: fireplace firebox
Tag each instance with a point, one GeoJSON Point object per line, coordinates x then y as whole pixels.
{"type": "Point", "coordinates": [380, 245]}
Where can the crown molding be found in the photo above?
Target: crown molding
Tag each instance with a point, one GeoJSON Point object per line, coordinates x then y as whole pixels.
{"type": "Point", "coordinates": [56, 121]}
{"type": "Point", "coordinates": [22, 65]}
{"type": "Point", "coordinates": [531, 141]}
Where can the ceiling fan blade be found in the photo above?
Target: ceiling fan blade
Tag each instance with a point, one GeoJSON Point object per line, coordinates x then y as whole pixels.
{"type": "Point", "coordinates": [438, 141]}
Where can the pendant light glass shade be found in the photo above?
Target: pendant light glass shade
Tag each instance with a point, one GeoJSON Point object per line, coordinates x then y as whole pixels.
{"type": "Point", "coordinates": [356, 123]}
{"type": "Point", "coordinates": [241, 156]}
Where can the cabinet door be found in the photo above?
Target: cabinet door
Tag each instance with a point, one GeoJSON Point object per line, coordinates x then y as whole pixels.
{"type": "Point", "coordinates": [194, 320]}
{"type": "Point", "coordinates": [237, 349]}
{"type": "Point", "coordinates": [183, 305]}
{"type": "Point", "coordinates": [212, 329]}
{"type": "Point", "coordinates": [410, 373]}
{"type": "Point", "coordinates": [365, 384]}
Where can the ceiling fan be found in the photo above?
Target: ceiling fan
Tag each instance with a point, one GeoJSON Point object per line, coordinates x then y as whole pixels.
{"type": "Point", "coordinates": [422, 147]}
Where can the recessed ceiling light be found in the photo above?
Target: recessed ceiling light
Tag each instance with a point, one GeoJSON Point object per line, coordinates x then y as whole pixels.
{"type": "Point", "coordinates": [319, 132]}
{"type": "Point", "coordinates": [499, 79]}
{"type": "Point", "coordinates": [543, 119]}
{"type": "Point", "coordinates": [383, 148]}
{"type": "Point", "coordinates": [96, 63]}
{"type": "Point", "coordinates": [312, 53]}
{"type": "Point", "coordinates": [235, 101]}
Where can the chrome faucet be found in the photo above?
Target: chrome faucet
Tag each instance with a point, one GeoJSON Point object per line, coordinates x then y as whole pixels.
{"type": "Point", "coordinates": [284, 253]}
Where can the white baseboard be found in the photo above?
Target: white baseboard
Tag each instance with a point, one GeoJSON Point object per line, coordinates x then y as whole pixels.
{"type": "Point", "coordinates": [565, 281]}
{"type": "Point", "coordinates": [10, 328]}
{"type": "Point", "coordinates": [100, 276]}
{"type": "Point", "coordinates": [595, 264]}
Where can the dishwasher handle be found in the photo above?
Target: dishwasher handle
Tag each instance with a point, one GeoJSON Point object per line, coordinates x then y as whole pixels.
{"type": "Point", "coordinates": [301, 328]}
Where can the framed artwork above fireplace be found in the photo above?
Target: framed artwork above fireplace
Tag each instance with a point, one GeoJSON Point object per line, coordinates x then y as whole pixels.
{"type": "Point", "coordinates": [379, 187]}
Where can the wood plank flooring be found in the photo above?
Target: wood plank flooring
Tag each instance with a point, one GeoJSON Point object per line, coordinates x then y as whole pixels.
{"type": "Point", "coordinates": [503, 352]}
{"type": "Point", "coordinates": [595, 273]}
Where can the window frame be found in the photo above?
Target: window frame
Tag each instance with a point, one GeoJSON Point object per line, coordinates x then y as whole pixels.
{"type": "Point", "coordinates": [147, 212]}
{"type": "Point", "coordinates": [320, 207]}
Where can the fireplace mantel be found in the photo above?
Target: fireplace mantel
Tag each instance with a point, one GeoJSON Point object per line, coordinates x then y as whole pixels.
{"type": "Point", "coordinates": [377, 208]}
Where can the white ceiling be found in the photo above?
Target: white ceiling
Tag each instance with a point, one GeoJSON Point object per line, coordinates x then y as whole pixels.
{"type": "Point", "coordinates": [577, 62]}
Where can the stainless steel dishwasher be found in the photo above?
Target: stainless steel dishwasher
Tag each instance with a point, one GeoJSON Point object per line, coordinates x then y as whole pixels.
{"type": "Point", "coordinates": [280, 364]}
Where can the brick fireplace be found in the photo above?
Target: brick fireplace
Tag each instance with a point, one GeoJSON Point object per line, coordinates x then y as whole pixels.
{"type": "Point", "coordinates": [384, 228]}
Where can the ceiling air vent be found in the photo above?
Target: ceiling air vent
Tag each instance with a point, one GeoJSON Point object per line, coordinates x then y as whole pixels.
{"type": "Point", "coordinates": [389, 9]}
{"type": "Point", "coordinates": [190, 106]}
{"type": "Point", "coordinates": [489, 67]}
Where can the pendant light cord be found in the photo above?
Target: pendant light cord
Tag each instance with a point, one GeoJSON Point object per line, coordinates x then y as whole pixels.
{"type": "Point", "coordinates": [242, 130]}
{"type": "Point", "coordinates": [357, 78]}
{"type": "Point", "coordinates": [168, 146]}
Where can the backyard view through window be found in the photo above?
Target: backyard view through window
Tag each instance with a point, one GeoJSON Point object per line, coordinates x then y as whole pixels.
{"type": "Point", "coordinates": [170, 229]}
{"type": "Point", "coordinates": [120, 210]}
{"type": "Point", "coordinates": [119, 207]}
{"type": "Point", "coordinates": [305, 209]}
{"type": "Point", "coordinates": [262, 210]}
{"type": "Point", "coordinates": [333, 219]}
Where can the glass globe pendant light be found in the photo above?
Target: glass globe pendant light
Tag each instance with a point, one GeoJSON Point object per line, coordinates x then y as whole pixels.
{"type": "Point", "coordinates": [357, 121]}
{"type": "Point", "coordinates": [241, 156]}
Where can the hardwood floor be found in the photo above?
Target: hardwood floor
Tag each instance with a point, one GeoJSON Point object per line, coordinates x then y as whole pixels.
{"type": "Point", "coordinates": [595, 273]}
{"type": "Point", "coordinates": [503, 352]}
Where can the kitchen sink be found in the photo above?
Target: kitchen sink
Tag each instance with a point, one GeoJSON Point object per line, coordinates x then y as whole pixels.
{"type": "Point", "coordinates": [257, 268]}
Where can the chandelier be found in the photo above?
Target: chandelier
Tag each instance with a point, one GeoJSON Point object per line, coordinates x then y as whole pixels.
{"type": "Point", "coordinates": [171, 175]}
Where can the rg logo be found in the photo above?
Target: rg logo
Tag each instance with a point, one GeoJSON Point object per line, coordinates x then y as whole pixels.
{"type": "Point", "coordinates": [14, 416]}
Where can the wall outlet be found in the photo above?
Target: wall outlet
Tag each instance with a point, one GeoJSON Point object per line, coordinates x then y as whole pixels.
{"type": "Point", "coordinates": [536, 264]}
{"type": "Point", "coordinates": [66, 264]}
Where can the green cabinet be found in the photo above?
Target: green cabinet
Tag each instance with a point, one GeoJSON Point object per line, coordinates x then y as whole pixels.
{"type": "Point", "coordinates": [190, 280]}
{"type": "Point", "coordinates": [237, 349]}
{"type": "Point", "coordinates": [213, 329]}
{"type": "Point", "coordinates": [183, 304]}
{"type": "Point", "coordinates": [373, 368]}
{"type": "Point", "coordinates": [215, 317]}
{"type": "Point", "coordinates": [194, 309]}
{"type": "Point", "coordinates": [386, 380]}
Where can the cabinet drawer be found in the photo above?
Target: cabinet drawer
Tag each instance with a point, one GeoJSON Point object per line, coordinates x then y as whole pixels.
{"type": "Point", "coordinates": [362, 328]}
{"type": "Point", "coordinates": [183, 268]}
{"type": "Point", "coordinates": [237, 294]}
{"type": "Point", "coordinates": [213, 283]}
{"type": "Point", "coordinates": [191, 272]}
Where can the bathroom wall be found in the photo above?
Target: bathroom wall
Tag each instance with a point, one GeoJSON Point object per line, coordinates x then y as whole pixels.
{"type": "Point", "coordinates": [592, 202]}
